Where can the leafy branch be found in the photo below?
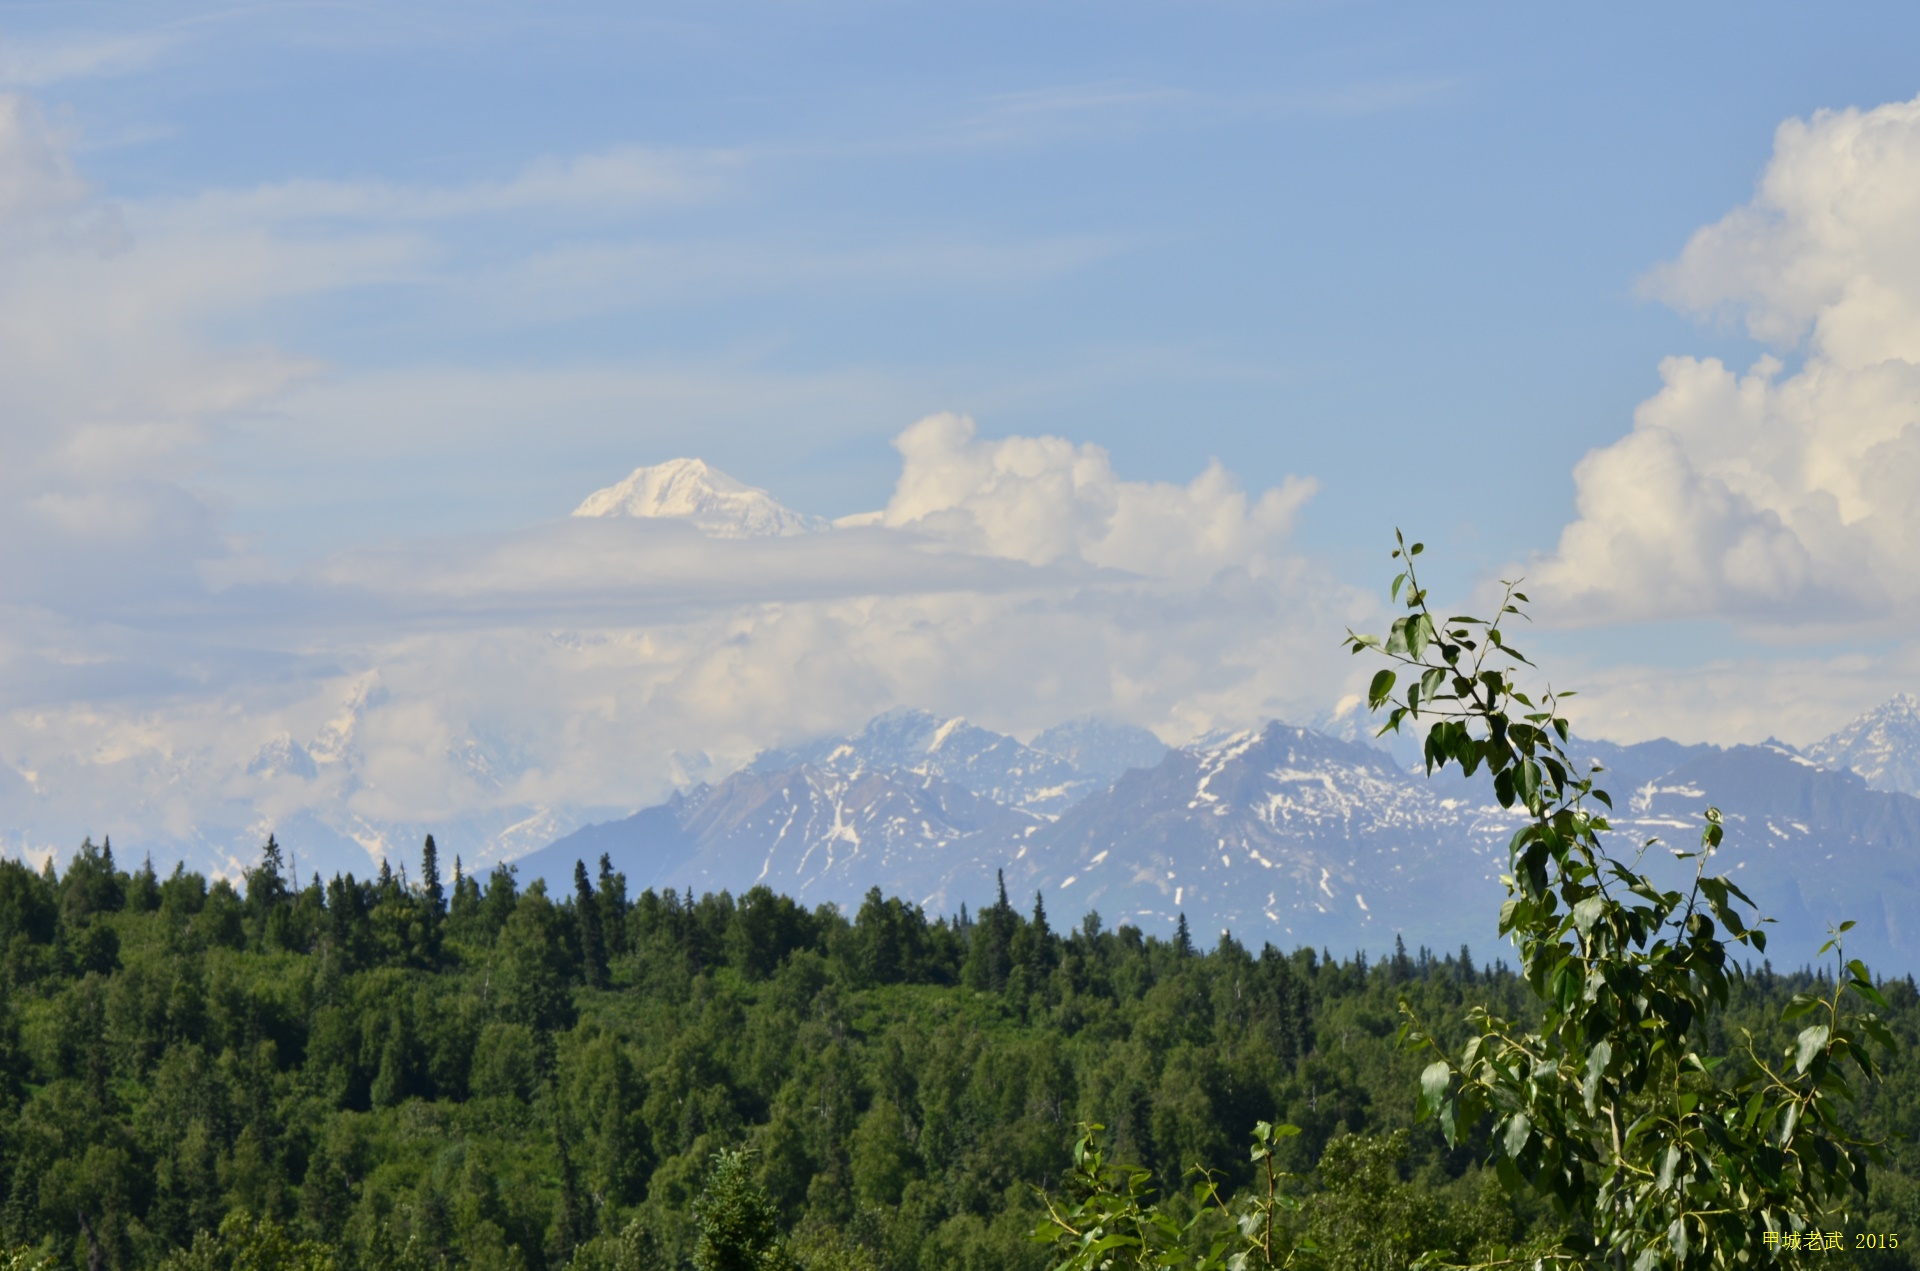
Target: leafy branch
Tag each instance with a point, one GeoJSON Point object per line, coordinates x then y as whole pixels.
{"type": "Point", "coordinates": [1114, 1222]}
{"type": "Point", "coordinates": [1607, 1105]}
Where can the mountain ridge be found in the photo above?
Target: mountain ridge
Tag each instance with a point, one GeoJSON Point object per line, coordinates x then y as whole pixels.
{"type": "Point", "coordinates": [1279, 832]}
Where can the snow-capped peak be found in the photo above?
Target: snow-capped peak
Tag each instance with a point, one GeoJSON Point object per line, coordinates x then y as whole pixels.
{"type": "Point", "coordinates": [714, 503]}
{"type": "Point", "coordinates": [1882, 745]}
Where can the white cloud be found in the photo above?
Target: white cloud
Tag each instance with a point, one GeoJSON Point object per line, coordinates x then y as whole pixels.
{"type": "Point", "coordinates": [1776, 497]}
{"type": "Point", "coordinates": [1042, 499]}
{"type": "Point", "coordinates": [109, 385]}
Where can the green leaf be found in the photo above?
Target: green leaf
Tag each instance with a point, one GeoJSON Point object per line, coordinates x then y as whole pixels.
{"type": "Point", "coordinates": [1797, 1005]}
{"type": "Point", "coordinates": [1419, 635]}
{"type": "Point", "coordinates": [1515, 1138]}
{"type": "Point", "coordinates": [1866, 990]}
{"type": "Point", "coordinates": [1588, 912]}
{"type": "Point", "coordinates": [1669, 1166]}
{"type": "Point", "coordinates": [1433, 1087]}
{"type": "Point", "coordinates": [1813, 1041]}
{"type": "Point", "coordinates": [1863, 983]}
{"type": "Point", "coordinates": [1378, 691]}
{"type": "Point", "coordinates": [1526, 781]}
{"type": "Point", "coordinates": [1597, 1060]}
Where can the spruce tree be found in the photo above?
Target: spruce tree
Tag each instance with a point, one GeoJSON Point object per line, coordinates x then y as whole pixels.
{"type": "Point", "coordinates": [586, 912]}
{"type": "Point", "coordinates": [430, 879]}
{"type": "Point", "coordinates": [433, 908]}
{"type": "Point", "coordinates": [613, 907]}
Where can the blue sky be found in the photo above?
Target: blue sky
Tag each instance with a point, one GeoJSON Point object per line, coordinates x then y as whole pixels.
{"type": "Point", "coordinates": [1292, 236]}
{"type": "Point", "coordinates": [323, 280]}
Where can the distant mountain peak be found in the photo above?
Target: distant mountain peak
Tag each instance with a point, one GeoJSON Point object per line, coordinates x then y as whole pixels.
{"type": "Point", "coordinates": [1883, 746]}
{"type": "Point", "coordinates": [283, 756]}
{"type": "Point", "coordinates": [1063, 764]}
{"type": "Point", "coordinates": [694, 491]}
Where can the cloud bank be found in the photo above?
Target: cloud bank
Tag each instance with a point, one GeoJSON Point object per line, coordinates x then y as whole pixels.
{"type": "Point", "coordinates": [160, 684]}
{"type": "Point", "coordinates": [506, 687]}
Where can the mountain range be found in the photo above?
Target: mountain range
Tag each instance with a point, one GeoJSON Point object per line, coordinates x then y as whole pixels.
{"type": "Point", "coordinates": [1285, 833]}
{"type": "Point", "coordinates": [1282, 833]}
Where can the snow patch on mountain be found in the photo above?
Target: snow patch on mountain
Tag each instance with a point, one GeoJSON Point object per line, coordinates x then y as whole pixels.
{"type": "Point", "coordinates": [1882, 746]}
{"type": "Point", "coordinates": [1062, 766]}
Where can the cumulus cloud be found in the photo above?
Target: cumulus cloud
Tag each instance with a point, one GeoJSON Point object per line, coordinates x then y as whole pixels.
{"type": "Point", "coordinates": [1042, 499]}
{"type": "Point", "coordinates": [1771, 495]}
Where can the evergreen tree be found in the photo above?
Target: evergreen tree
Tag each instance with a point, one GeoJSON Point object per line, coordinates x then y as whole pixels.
{"type": "Point", "coordinates": [91, 886]}
{"type": "Point", "coordinates": [570, 1221]}
{"type": "Point", "coordinates": [990, 950]}
{"type": "Point", "coordinates": [270, 877]}
{"type": "Point", "coordinates": [739, 1226]}
{"type": "Point", "coordinates": [430, 879]}
{"type": "Point", "coordinates": [613, 907]}
{"type": "Point", "coordinates": [433, 904]}
{"type": "Point", "coordinates": [586, 912]}
{"type": "Point", "coordinates": [498, 902]}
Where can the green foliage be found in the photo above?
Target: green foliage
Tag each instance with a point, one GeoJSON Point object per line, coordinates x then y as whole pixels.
{"type": "Point", "coordinates": [1660, 1151]}
{"type": "Point", "coordinates": [1365, 1216]}
{"type": "Point", "coordinates": [313, 1063]}
{"type": "Point", "coordinates": [630, 1249]}
{"type": "Point", "coordinates": [1109, 1220]}
{"type": "Point", "coordinates": [244, 1243]}
{"type": "Point", "coordinates": [739, 1226]}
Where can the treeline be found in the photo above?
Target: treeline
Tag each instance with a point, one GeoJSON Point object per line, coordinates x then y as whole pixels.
{"type": "Point", "coordinates": [424, 1071]}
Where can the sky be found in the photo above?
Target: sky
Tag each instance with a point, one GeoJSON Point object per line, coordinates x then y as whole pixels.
{"type": "Point", "coordinates": [1142, 325]}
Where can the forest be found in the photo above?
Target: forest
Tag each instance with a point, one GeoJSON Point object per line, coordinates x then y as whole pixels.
{"type": "Point", "coordinates": [418, 1071]}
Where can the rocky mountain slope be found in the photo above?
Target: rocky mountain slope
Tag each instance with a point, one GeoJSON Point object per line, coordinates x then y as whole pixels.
{"type": "Point", "coordinates": [1882, 746]}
